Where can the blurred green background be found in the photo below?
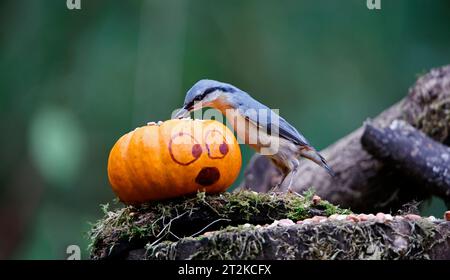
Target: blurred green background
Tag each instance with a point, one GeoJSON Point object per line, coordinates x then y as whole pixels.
{"type": "Point", "coordinates": [73, 81]}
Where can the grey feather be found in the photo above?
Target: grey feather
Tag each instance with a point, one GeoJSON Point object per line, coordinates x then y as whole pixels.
{"type": "Point", "coordinates": [270, 121]}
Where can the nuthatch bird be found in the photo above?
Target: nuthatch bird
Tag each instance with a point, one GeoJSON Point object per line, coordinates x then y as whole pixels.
{"type": "Point", "coordinates": [248, 117]}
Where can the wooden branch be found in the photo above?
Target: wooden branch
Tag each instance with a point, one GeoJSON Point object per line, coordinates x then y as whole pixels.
{"type": "Point", "coordinates": [364, 183]}
{"type": "Point", "coordinates": [412, 153]}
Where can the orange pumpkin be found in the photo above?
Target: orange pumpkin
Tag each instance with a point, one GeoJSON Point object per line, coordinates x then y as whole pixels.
{"type": "Point", "coordinates": [175, 158]}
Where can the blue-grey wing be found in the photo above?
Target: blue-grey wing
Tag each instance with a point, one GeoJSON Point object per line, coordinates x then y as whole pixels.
{"type": "Point", "coordinates": [266, 119]}
{"type": "Point", "coordinates": [289, 132]}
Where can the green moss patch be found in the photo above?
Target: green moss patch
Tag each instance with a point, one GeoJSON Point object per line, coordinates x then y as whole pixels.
{"type": "Point", "coordinates": [149, 224]}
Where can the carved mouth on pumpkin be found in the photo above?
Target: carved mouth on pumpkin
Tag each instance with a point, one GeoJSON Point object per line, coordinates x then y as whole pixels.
{"type": "Point", "coordinates": [207, 176]}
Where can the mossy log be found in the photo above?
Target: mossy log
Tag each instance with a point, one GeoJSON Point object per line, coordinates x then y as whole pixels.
{"type": "Point", "coordinates": [400, 239]}
{"type": "Point", "coordinates": [363, 182]}
{"type": "Point", "coordinates": [134, 227]}
{"type": "Point", "coordinates": [248, 225]}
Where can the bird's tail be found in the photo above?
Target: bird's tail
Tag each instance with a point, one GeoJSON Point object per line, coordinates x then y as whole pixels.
{"type": "Point", "coordinates": [311, 154]}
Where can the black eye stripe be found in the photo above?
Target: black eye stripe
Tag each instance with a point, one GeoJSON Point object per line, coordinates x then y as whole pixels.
{"type": "Point", "coordinates": [221, 88]}
{"type": "Point", "coordinates": [189, 105]}
{"type": "Point", "coordinates": [208, 91]}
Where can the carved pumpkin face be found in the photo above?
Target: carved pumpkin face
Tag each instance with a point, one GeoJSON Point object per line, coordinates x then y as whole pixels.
{"type": "Point", "coordinates": [175, 158]}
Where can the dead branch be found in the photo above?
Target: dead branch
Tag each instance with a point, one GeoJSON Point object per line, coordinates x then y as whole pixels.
{"type": "Point", "coordinates": [412, 153]}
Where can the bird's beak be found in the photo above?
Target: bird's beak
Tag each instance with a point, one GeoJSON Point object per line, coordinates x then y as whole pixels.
{"type": "Point", "coordinates": [182, 113]}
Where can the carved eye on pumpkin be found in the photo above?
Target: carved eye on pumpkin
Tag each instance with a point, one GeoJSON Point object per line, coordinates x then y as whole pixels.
{"type": "Point", "coordinates": [216, 144]}
{"type": "Point", "coordinates": [183, 141]}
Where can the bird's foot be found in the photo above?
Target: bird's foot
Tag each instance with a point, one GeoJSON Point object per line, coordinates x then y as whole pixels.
{"type": "Point", "coordinates": [290, 190]}
{"type": "Point", "coordinates": [275, 188]}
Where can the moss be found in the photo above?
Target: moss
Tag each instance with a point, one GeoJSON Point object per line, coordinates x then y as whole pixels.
{"type": "Point", "coordinates": [165, 229]}
{"type": "Point", "coordinates": [435, 121]}
{"type": "Point", "coordinates": [246, 245]}
{"type": "Point", "coordinates": [327, 240]}
{"type": "Point", "coordinates": [331, 209]}
{"type": "Point", "coordinates": [299, 209]}
{"type": "Point", "coordinates": [154, 222]}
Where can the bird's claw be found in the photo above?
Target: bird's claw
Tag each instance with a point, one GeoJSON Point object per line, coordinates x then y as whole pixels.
{"type": "Point", "coordinates": [275, 188]}
{"type": "Point", "coordinates": [290, 190]}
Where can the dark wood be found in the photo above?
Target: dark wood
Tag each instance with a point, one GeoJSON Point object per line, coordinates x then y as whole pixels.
{"type": "Point", "coordinates": [363, 182]}
{"type": "Point", "coordinates": [414, 154]}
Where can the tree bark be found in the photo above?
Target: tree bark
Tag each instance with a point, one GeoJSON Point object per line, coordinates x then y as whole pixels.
{"type": "Point", "coordinates": [399, 239]}
{"type": "Point", "coordinates": [414, 154]}
{"type": "Point", "coordinates": [362, 182]}
{"type": "Point", "coordinates": [248, 225]}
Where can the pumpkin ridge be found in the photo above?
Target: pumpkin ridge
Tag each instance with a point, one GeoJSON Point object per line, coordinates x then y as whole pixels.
{"type": "Point", "coordinates": [119, 151]}
{"type": "Point", "coordinates": [133, 175]}
{"type": "Point", "coordinates": [140, 163]}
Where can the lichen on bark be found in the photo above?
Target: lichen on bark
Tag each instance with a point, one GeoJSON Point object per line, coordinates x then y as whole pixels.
{"type": "Point", "coordinates": [421, 239]}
